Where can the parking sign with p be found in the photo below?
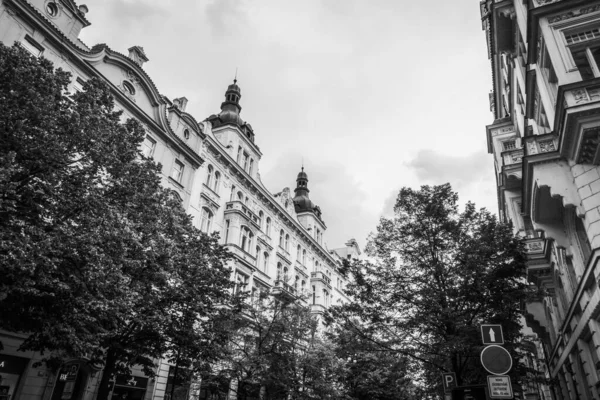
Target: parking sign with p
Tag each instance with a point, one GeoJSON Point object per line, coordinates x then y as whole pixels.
{"type": "Point", "coordinates": [449, 380]}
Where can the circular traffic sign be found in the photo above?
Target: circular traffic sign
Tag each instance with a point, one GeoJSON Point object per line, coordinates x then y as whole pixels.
{"type": "Point", "coordinates": [496, 359]}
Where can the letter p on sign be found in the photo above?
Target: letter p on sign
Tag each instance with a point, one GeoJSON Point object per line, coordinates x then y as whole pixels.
{"type": "Point", "coordinates": [449, 380]}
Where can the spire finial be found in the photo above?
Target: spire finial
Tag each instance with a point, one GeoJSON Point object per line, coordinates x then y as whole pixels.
{"type": "Point", "coordinates": [302, 164]}
{"type": "Point", "coordinates": [235, 77]}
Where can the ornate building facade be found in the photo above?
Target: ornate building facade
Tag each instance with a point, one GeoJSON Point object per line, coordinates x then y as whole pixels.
{"type": "Point", "coordinates": [277, 240]}
{"type": "Point", "coordinates": [545, 58]}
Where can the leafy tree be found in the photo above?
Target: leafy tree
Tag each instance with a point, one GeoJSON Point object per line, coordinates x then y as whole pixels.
{"type": "Point", "coordinates": [97, 259]}
{"type": "Point", "coordinates": [275, 351]}
{"type": "Point", "coordinates": [434, 276]}
{"type": "Point", "coordinates": [369, 371]}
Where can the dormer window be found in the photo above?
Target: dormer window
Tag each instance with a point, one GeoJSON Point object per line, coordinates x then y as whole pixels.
{"type": "Point", "coordinates": [52, 9]}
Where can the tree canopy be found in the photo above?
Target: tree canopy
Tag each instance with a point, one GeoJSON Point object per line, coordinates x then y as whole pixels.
{"type": "Point", "coordinates": [434, 275]}
{"type": "Point", "coordinates": [97, 259]}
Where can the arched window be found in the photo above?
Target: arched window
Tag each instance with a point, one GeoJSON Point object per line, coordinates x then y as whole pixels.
{"type": "Point", "coordinates": [298, 253]}
{"type": "Point", "coordinates": [265, 262]}
{"type": "Point", "coordinates": [239, 155]}
{"type": "Point", "coordinates": [314, 295]}
{"type": "Point", "coordinates": [226, 230]}
{"type": "Point", "coordinates": [279, 271]}
{"type": "Point", "coordinates": [206, 220]}
{"type": "Point", "coordinates": [261, 215]}
{"type": "Point", "coordinates": [232, 193]}
{"type": "Point", "coordinates": [217, 182]}
{"type": "Point", "coordinates": [247, 200]}
{"type": "Point", "coordinates": [287, 243]}
{"type": "Point", "coordinates": [251, 166]}
{"type": "Point", "coordinates": [240, 196]}
{"type": "Point", "coordinates": [268, 227]}
{"type": "Point", "coordinates": [304, 257]}
{"type": "Point", "coordinates": [246, 237]}
{"type": "Point", "coordinates": [296, 283]}
{"type": "Point", "coordinates": [303, 287]}
{"type": "Point", "coordinates": [258, 252]}
{"type": "Point", "coordinates": [285, 274]}
{"type": "Point", "coordinates": [281, 236]}
{"type": "Point", "coordinates": [325, 298]}
{"type": "Point", "coordinates": [209, 176]}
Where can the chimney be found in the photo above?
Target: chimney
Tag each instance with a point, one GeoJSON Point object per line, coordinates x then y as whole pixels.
{"type": "Point", "coordinates": [180, 102]}
{"type": "Point", "coordinates": [136, 53]}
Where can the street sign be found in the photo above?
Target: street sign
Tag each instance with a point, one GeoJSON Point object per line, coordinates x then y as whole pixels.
{"type": "Point", "coordinates": [492, 334]}
{"type": "Point", "coordinates": [499, 387]}
{"type": "Point", "coordinates": [496, 360]}
{"type": "Point", "coordinates": [449, 380]}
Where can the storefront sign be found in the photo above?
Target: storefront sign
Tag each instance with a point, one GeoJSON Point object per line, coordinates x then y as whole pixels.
{"type": "Point", "coordinates": [136, 382]}
{"type": "Point", "coordinates": [12, 364]}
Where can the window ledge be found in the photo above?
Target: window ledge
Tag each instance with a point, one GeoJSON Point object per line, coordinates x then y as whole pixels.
{"type": "Point", "coordinates": [179, 185]}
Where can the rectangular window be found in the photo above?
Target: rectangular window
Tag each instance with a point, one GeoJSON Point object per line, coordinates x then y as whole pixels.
{"type": "Point", "coordinates": [32, 46]}
{"type": "Point", "coordinates": [584, 45]}
{"type": "Point", "coordinates": [246, 161]}
{"type": "Point", "coordinates": [78, 85]}
{"type": "Point", "coordinates": [509, 145]}
{"type": "Point", "coordinates": [177, 172]}
{"type": "Point", "coordinates": [148, 146]}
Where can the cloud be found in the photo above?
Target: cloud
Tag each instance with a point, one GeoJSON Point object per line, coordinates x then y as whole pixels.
{"type": "Point", "coordinates": [434, 167]}
{"type": "Point", "coordinates": [471, 176]}
{"type": "Point", "coordinates": [334, 189]}
{"type": "Point", "coordinates": [134, 10]}
{"type": "Point", "coordinates": [224, 16]}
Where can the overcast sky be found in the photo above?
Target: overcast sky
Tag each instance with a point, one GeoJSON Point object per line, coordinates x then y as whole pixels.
{"type": "Point", "coordinates": [374, 95]}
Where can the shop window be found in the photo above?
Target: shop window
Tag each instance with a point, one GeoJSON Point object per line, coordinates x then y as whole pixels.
{"type": "Point", "coordinates": [178, 383]}
{"type": "Point", "coordinates": [129, 388]}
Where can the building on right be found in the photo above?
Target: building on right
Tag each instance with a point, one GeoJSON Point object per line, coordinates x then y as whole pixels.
{"type": "Point", "coordinates": [545, 140]}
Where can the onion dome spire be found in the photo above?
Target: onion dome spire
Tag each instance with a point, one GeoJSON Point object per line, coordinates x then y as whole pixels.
{"type": "Point", "coordinates": [230, 108]}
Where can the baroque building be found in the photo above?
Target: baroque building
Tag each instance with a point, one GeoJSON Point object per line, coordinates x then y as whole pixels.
{"type": "Point", "coordinates": [545, 59]}
{"type": "Point", "coordinates": [277, 240]}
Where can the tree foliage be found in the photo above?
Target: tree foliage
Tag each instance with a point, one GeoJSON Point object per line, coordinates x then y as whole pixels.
{"type": "Point", "coordinates": [434, 276]}
{"type": "Point", "coordinates": [97, 259]}
{"type": "Point", "coordinates": [274, 347]}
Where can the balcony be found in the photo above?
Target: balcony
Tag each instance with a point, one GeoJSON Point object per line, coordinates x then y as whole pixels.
{"type": "Point", "coordinates": [241, 254]}
{"type": "Point", "coordinates": [540, 144]}
{"type": "Point", "coordinates": [320, 276]}
{"type": "Point", "coordinates": [539, 264]}
{"type": "Point", "coordinates": [283, 289]}
{"type": "Point", "coordinates": [578, 121]}
{"type": "Point", "coordinates": [243, 210]}
{"type": "Point", "coordinates": [317, 309]}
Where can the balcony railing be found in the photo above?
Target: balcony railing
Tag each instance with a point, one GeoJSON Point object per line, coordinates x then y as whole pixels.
{"type": "Point", "coordinates": [321, 276]}
{"type": "Point", "coordinates": [512, 157]}
{"type": "Point", "coordinates": [282, 288]}
{"type": "Point", "coordinates": [241, 208]}
{"type": "Point", "coordinates": [241, 254]}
